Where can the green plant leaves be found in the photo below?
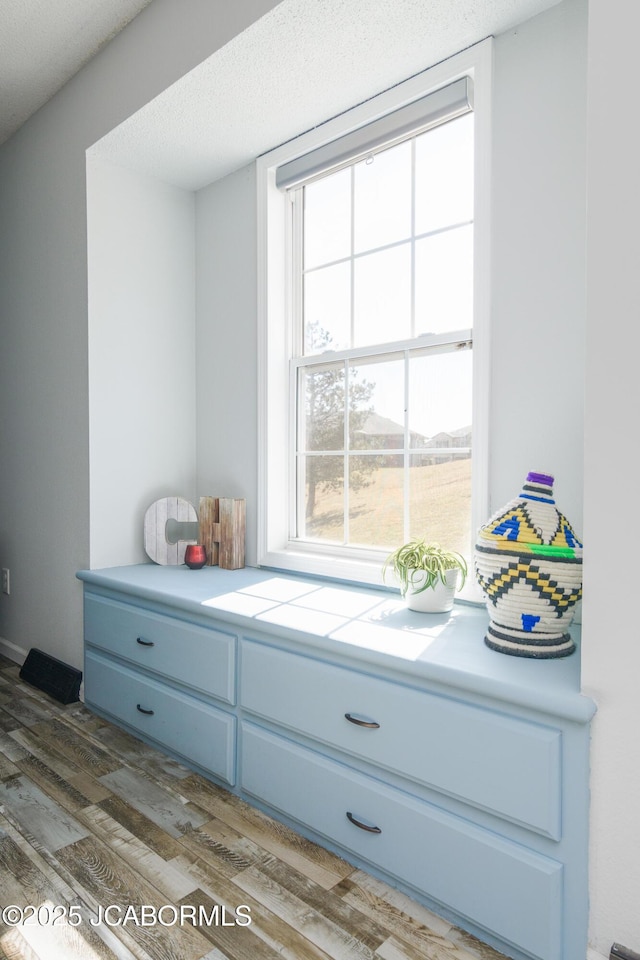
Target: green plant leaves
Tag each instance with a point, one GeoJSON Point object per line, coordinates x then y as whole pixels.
{"type": "Point", "coordinates": [419, 556]}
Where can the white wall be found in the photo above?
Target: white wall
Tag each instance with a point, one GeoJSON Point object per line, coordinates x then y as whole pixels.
{"type": "Point", "coordinates": [611, 642]}
{"type": "Point", "coordinates": [44, 409]}
{"type": "Point", "coordinates": [538, 256]}
{"type": "Point", "coordinates": [142, 376]}
{"type": "Point", "coordinates": [538, 277]}
{"type": "Point", "coordinates": [44, 387]}
{"type": "Point", "coordinates": [226, 332]}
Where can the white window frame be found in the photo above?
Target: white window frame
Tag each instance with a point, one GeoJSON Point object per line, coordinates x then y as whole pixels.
{"type": "Point", "coordinates": [275, 305]}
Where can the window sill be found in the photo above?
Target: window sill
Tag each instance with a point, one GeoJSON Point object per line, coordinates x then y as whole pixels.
{"type": "Point", "coordinates": [355, 570]}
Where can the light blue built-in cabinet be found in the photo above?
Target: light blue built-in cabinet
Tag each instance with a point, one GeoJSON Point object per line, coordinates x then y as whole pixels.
{"type": "Point", "coordinates": [397, 739]}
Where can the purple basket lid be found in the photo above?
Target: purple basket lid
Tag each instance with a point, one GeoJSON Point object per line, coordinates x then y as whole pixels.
{"type": "Point", "coordinates": [543, 478]}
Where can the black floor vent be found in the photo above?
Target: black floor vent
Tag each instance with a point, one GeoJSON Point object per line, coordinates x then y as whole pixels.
{"type": "Point", "coordinates": [618, 952]}
{"type": "Point", "coordinates": [56, 678]}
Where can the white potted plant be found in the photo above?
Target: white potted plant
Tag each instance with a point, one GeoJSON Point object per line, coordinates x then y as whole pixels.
{"type": "Point", "coordinates": [428, 574]}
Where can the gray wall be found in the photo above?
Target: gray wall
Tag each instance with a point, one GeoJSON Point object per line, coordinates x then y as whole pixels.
{"type": "Point", "coordinates": [611, 651]}
{"type": "Point", "coordinates": [44, 390]}
{"type": "Point", "coordinates": [142, 377]}
{"type": "Point", "coordinates": [538, 255]}
{"type": "Point", "coordinates": [85, 460]}
{"type": "Point", "coordinates": [538, 280]}
{"type": "Point", "coordinates": [226, 337]}
{"type": "Point", "coordinates": [540, 365]}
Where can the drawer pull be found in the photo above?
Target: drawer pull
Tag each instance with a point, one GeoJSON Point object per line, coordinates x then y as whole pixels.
{"type": "Point", "coordinates": [144, 643]}
{"type": "Point", "coordinates": [371, 724]}
{"type": "Point", "coordinates": [142, 710]}
{"type": "Point", "coordinates": [363, 826]}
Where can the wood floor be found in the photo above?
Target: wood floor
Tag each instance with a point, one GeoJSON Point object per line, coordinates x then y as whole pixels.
{"type": "Point", "coordinates": [109, 849]}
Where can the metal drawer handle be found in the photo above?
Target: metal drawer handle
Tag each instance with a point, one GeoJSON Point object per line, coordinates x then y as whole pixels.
{"type": "Point", "coordinates": [371, 724]}
{"type": "Point", "coordinates": [144, 643]}
{"type": "Point", "coordinates": [363, 826]}
{"type": "Point", "coordinates": [142, 710]}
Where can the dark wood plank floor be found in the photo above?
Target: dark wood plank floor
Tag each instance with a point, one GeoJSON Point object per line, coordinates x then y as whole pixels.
{"type": "Point", "coordinates": [109, 850]}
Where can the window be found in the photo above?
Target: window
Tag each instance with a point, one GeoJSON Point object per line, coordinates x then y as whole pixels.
{"type": "Point", "coordinates": [370, 338]}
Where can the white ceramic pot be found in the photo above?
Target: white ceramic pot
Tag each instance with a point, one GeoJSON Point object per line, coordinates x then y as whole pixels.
{"type": "Point", "coordinates": [435, 599]}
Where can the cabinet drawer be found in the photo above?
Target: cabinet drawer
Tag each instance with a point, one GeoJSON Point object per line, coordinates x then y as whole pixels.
{"type": "Point", "coordinates": [193, 729]}
{"type": "Point", "coordinates": [499, 885]}
{"type": "Point", "coordinates": [498, 763]}
{"type": "Point", "coordinates": [196, 656]}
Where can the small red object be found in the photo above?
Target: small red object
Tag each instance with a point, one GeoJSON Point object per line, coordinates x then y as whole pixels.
{"type": "Point", "coordinates": [195, 556]}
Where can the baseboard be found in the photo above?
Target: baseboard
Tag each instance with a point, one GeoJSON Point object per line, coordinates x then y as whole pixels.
{"type": "Point", "coordinates": [12, 651]}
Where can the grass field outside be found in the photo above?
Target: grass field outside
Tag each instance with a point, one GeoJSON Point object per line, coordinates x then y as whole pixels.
{"type": "Point", "coordinates": [439, 504]}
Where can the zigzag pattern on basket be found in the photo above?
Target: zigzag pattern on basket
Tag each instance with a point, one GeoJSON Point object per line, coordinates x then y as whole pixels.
{"type": "Point", "coordinates": [519, 524]}
{"type": "Point", "coordinates": [528, 563]}
{"type": "Point", "coordinates": [542, 584]}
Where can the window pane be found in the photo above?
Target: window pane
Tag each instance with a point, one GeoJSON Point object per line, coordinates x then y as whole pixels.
{"type": "Point", "coordinates": [382, 198]}
{"type": "Point", "coordinates": [440, 412]}
{"type": "Point", "coordinates": [387, 256]}
{"type": "Point", "coordinates": [444, 282]}
{"type": "Point", "coordinates": [440, 399]}
{"type": "Point", "coordinates": [376, 498]}
{"type": "Point", "coordinates": [327, 219]}
{"type": "Point", "coordinates": [383, 296]}
{"type": "Point", "coordinates": [322, 393]}
{"type": "Point", "coordinates": [440, 500]}
{"type": "Point", "coordinates": [376, 405]}
{"type": "Point", "coordinates": [327, 309]}
{"type": "Point", "coordinates": [444, 175]}
{"type": "Point", "coordinates": [321, 515]}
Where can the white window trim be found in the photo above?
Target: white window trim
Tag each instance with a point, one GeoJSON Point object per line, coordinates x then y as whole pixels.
{"type": "Point", "coordinates": [274, 306]}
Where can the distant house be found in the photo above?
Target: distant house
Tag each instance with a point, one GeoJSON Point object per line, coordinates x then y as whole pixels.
{"type": "Point", "coordinates": [459, 439]}
{"type": "Point", "coordinates": [381, 433]}
{"type": "Point", "coordinates": [385, 434]}
{"type": "Point", "coordinates": [454, 438]}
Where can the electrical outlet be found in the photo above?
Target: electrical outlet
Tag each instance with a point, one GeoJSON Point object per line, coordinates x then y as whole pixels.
{"type": "Point", "coordinates": [6, 581]}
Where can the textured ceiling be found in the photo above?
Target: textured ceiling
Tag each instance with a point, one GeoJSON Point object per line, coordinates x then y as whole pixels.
{"type": "Point", "coordinates": [302, 63]}
{"type": "Point", "coordinates": [43, 43]}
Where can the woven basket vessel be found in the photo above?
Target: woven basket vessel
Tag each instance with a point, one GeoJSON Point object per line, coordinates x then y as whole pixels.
{"type": "Point", "coordinates": [528, 562]}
